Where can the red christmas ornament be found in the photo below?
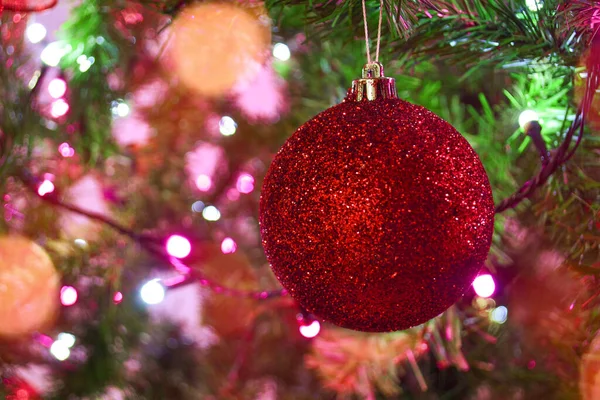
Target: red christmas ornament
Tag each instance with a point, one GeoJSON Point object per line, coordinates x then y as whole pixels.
{"type": "Point", "coordinates": [376, 215]}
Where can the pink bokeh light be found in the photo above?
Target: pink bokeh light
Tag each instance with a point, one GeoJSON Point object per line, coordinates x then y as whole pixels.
{"type": "Point", "coordinates": [245, 183]}
{"type": "Point", "coordinates": [88, 194]}
{"type": "Point", "coordinates": [228, 246]}
{"type": "Point", "coordinates": [311, 330]}
{"type": "Point", "coordinates": [66, 150]}
{"type": "Point", "coordinates": [150, 94]}
{"type": "Point", "coordinates": [178, 246]}
{"type": "Point", "coordinates": [205, 159]}
{"type": "Point", "coordinates": [57, 88]}
{"type": "Point", "coordinates": [132, 130]}
{"type": "Point", "coordinates": [203, 183]}
{"type": "Point", "coordinates": [484, 285]}
{"type": "Point", "coordinates": [233, 194]}
{"type": "Point", "coordinates": [45, 187]}
{"type": "Point", "coordinates": [68, 295]}
{"type": "Point", "coordinates": [118, 297]}
{"type": "Point", "coordinates": [59, 108]}
{"type": "Point", "coordinates": [44, 340]}
{"type": "Point", "coordinates": [264, 98]}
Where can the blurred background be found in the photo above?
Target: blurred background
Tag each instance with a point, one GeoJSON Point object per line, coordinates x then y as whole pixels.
{"type": "Point", "coordinates": [134, 140]}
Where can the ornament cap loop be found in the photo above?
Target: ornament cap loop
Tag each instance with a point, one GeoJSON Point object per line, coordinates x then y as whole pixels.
{"type": "Point", "coordinates": [373, 85]}
{"type": "Point", "coordinates": [373, 69]}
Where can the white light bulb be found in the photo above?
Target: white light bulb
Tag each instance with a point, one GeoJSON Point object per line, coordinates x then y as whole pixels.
{"type": "Point", "coordinates": [499, 315]}
{"type": "Point", "coordinates": [67, 338]}
{"type": "Point", "coordinates": [311, 330]}
{"type": "Point", "coordinates": [211, 213]}
{"type": "Point", "coordinates": [59, 108]}
{"type": "Point", "coordinates": [36, 32]}
{"type": "Point", "coordinates": [85, 65]}
{"type": "Point", "coordinates": [45, 187]}
{"type": "Point", "coordinates": [120, 109]}
{"type": "Point", "coordinates": [484, 285]}
{"type": "Point", "coordinates": [123, 110]}
{"type": "Point", "coordinates": [203, 183]}
{"type": "Point", "coordinates": [68, 295]}
{"type": "Point", "coordinates": [80, 242]}
{"type": "Point", "coordinates": [60, 350]}
{"type": "Point", "coordinates": [227, 126]}
{"type": "Point", "coordinates": [85, 62]}
{"type": "Point", "coordinates": [281, 52]}
{"type": "Point", "coordinates": [153, 292]}
{"type": "Point", "coordinates": [178, 246]}
{"type": "Point", "coordinates": [527, 116]}
{"type": "Point", "coordinates": [534, 5]}
{"type": "Point", "coordinates": [53, 52]}
{"type": "Point", "coordinates": [57, 88]}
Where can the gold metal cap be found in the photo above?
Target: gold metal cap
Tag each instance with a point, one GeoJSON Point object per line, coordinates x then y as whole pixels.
{"type": "Point", "coordinates": [373, 85]}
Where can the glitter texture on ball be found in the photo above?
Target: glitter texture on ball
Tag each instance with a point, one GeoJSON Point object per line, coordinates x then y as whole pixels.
{"type": "Point", "coordinates": [376, 215]}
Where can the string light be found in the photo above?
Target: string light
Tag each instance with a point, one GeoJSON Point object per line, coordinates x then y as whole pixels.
{"type": "Point", "coordinates": [45, 187]}
{"type": "Point", "coordinates": [54, 52]}
{"type": "Point", "coordinates": [197, 206]}
{"type": "Point", "coordinates": [534, 5]}
{"type": "Point", "coordinates": [36, 32]}
{"type": "Point", "coordinates": [484, 285]}
{"type": "Point", "coordinates": [57, 88]}
{"type": "Point", "coordinates": [67, 338]}
{"type": "Point", "coordinates": [60, 350]}
{"type": "Point", "coordinates": [66, 150]}
{"type": "Point", "coordinates": [85, 62]}
{"type": "Point", "coordinates": [80, 243]}
{"type": "Point", "coordinates": [311, 330]}
{"type": "Point", "coordinates": [228, 246]}
{"type": "Point", "coordinates": [245, 183]}
{"type": "Point", "coordinates": [120, 108]}
{"type": "Point", "coordinates": [308, 326]}
{"type": "Point", "coordinates": [227, 126]}
{"type": "Point", "coordinates": [526, 117]}
{"type": "Point", "coordinates": [499, 315]}
{"type": "Point", "coordinates": [34, 79]}
{"type": "Point", "coordinates": [118, 298]}
{"type": "Point", "coordinates": [203, 183]}
{"type": "Point", "coordinates": [68, 296]}
{"type": "Point", "coordinates": [281, 52]}
{"type": "Point", "coordinates": [153, 292]}
{"type": "Point", "coordinates": [178, 246]}
{"type": "Point", "coordinates": [59, 108]}
{"type": "Point", "coordinates": [211, 213]}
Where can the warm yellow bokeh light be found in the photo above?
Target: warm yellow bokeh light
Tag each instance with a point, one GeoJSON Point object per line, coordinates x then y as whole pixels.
{"type": "Point", "coordinates": [216, 45]}
{"type": "Point", "coordinates": [29, 291]}
{"type": "Point", "coordinates": [589, 373]}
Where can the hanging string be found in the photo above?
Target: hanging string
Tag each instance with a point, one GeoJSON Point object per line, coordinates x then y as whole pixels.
{"type": "Point", "coordinates": [364, 9]}
{"type": "Point", "coordinates": [379, 30]}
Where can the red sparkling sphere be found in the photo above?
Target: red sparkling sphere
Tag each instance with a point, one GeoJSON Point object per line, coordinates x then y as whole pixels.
{"type": "Point", "coordinates": [376, 215]}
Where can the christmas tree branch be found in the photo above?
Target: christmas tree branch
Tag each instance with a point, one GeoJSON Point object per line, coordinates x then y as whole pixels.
{"type": "Point", "coordinates": [33, 183]}
{"type": "Point", "coordinates": [564, 152]}
{"type": "Point", "coordinates": [558, 159]}
{"type": "Point", "coordinates": [151, 244]}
